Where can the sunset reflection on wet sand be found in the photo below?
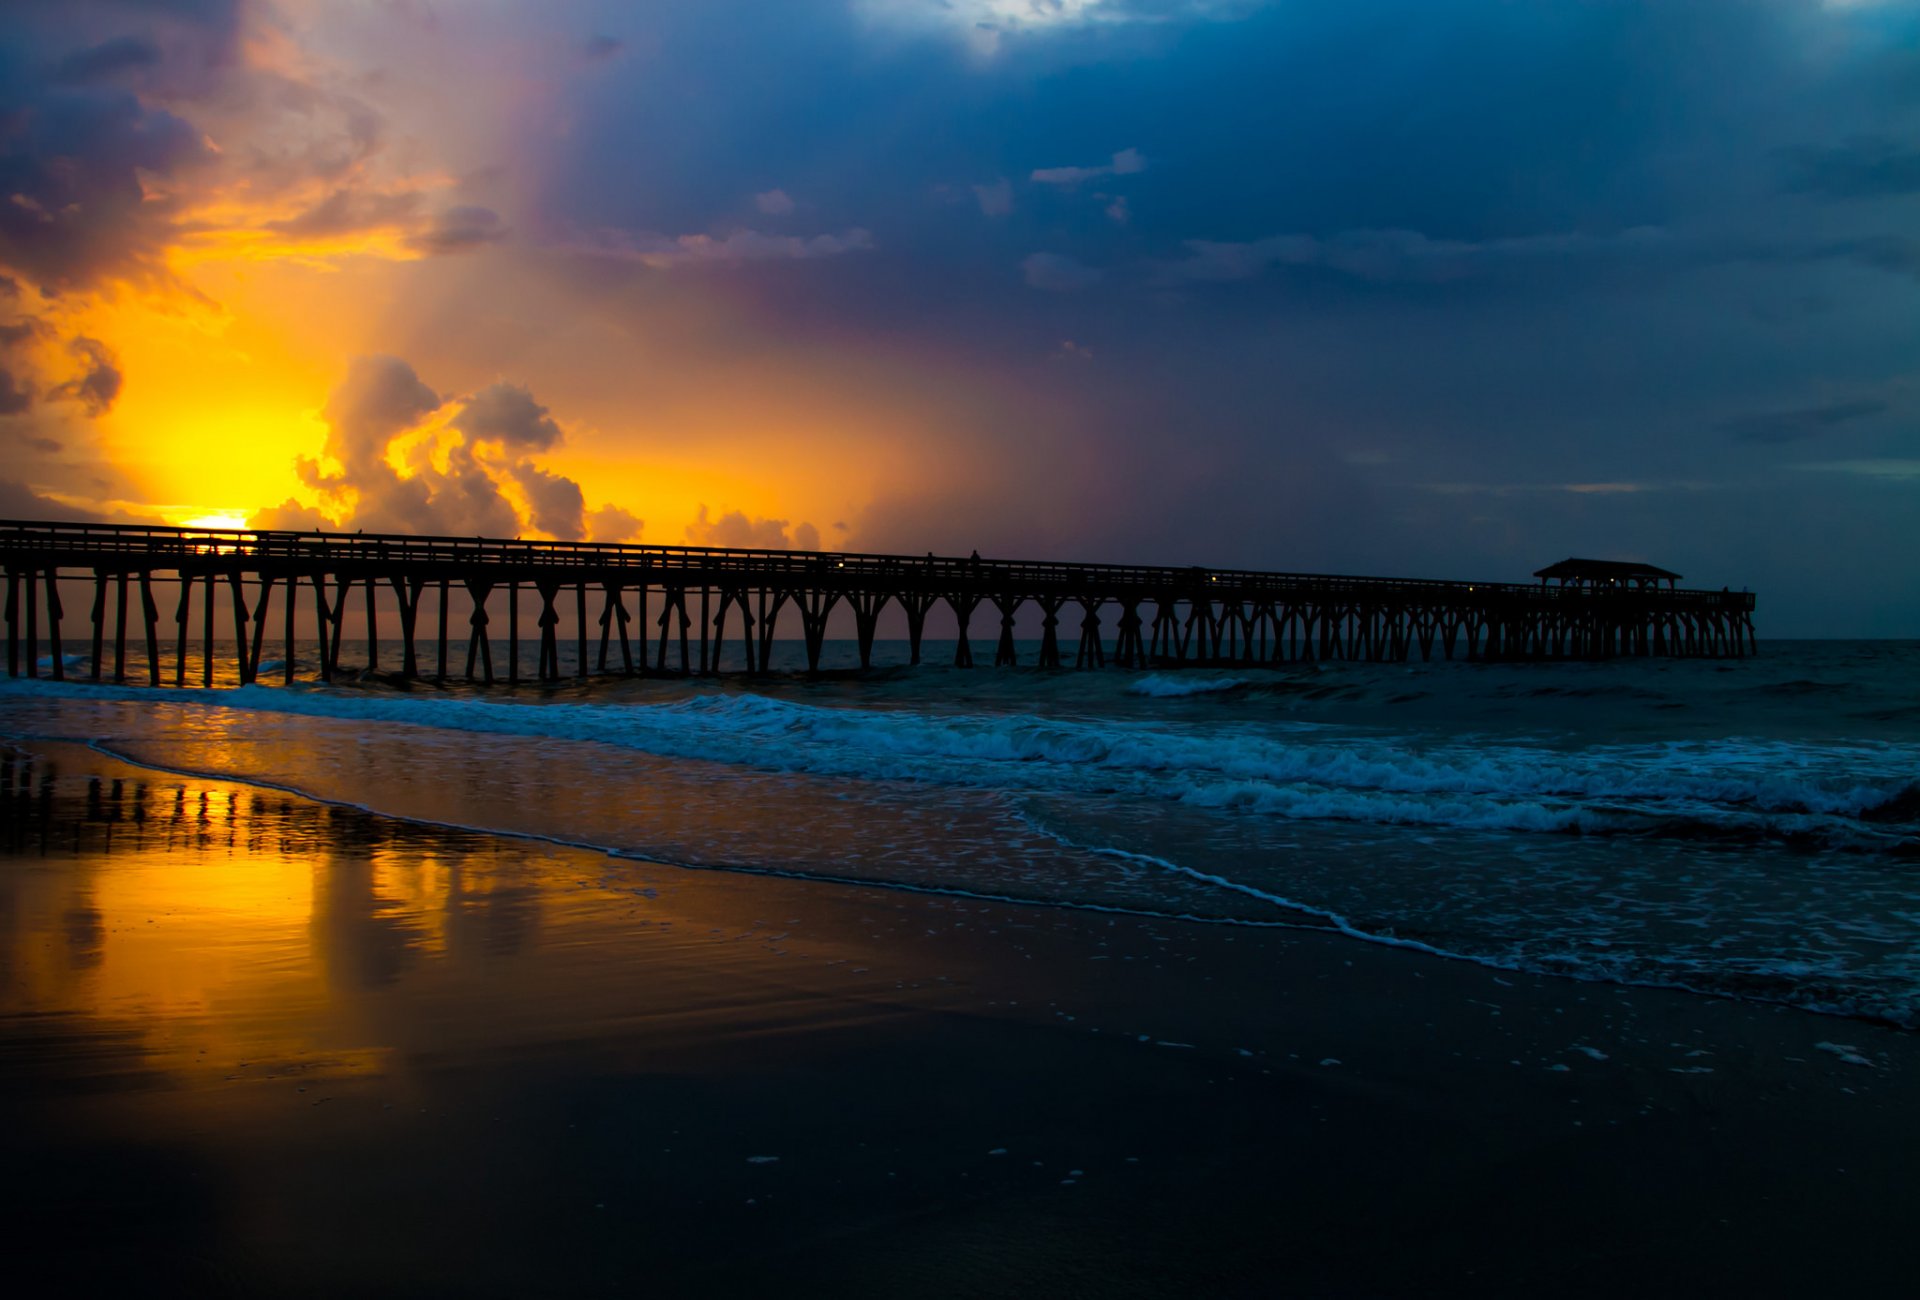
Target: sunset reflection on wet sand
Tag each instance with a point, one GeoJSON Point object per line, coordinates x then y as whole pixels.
{"type": "Point", "coordinates": [255, 1044]}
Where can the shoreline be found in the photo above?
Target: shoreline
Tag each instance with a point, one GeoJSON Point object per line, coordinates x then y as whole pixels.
{"type": "Point", "coordinates": [1311, 918]}
{"type": "Point", "coordinates": [1241, 1105]}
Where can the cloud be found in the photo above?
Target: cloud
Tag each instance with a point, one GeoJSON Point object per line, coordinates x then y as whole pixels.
{"type": "Point", "coordinates": [663, 252]}
{"type": "Point", "coordinates": [1800, 424]}
{"type": "Point", "coordinates": [1866, 167]}
{"type": "Point", "coordinates": [775, 203]}
{"type": "Point", "coordinates": [19, 501]}
{"type": "Point", "coordinates": [98, 383]}
{"type": "Point", "coordinates": [735, 529]}
{"type": "Point", "coordinates": [380, 399]}
{"type": "Point", "coordinates": [108, 59]}
{"type": "Point", "coordinates": [291, 517]}
{"type": "Point", "coordinates": [1058, 273]}
{"type": "Point", "coordinates": [1889, 468]}
{"type": "Point", "coordinates": [95, 384]}
{"type": "Point", "coordinates": [602, 46]}
{"type": "Point", "coordinates": [349, 211]}
{"type": "Point", "coordinates": [995, 199]}
{"type": "Point", "coordinates": [506, 414]}
{"type": "Point", "coordinates": [1117, 210]}
{"type": "Point", "coordinates": [459, 230]}
{"type": "Point", "coordinates": [15, 397]}
{"type": "Point", "coordinates": [1125, 163]}
{"type": "Point", "coordinates": [612, 524]}
{"type": "Point", "coordinates": [1398, 256]}
{"type": "Point", "coordinates": [554, 501]}
{"type": "Point", "coordinates": [458, 467]}
{"type": "Point", "coordinates": [77, 167]}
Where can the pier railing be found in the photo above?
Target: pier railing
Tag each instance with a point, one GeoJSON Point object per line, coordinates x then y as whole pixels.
{"type": "Point", "coordinates": [1193, 614]}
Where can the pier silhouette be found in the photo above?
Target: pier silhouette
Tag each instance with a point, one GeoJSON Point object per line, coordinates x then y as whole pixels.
{"type": "Point", "coordinates": [642, 604]}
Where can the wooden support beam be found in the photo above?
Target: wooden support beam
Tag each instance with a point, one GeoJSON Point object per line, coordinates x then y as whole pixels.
{"type": "Point", "coordinates": [706, 600]}
{"type": "Point", "coordinates": [866, 619]}
{"type": "Point", "coordinates": [150, 616]}
{"type": "Point", "coordinates": [963, 604]}
{"type": "Point", "coordinates": [13, 622]}
{"type": "Point", "coordinates": [686, 621]}
{"type": "Point", "coordinates": [1050, 630]}
{"type": "Point", "coordinates": [640, 622]}
{"type": "Point", "coordinates": [513, 633]}
{"type": "Point", "coordinates": [815, 605]}
{"type": "Point", "coordinates": [99, 624]}
{"type": "Point", "coordinates": [54, 611]}
{"type": "Point", "coordinates": [337, 616]}
{"type": "Point", "coordinates": [479, 644]}
{"type": "Point", "coordinates": [1128, 652]}
{"type": "Point", "coordinates": [322, 612]}
{"type": "Point", "coordinates": [580, 626]}
{"type": "Point", "coordinates": [1007, 604]}
{"type": "Point", "coordinates": [182, 616]}
{"type": "Point", "coordinates": [406, 595]}
{"type": "Point", "coordinates": [206, 632]}
{"type": "Point", "coordinates": [549, 590]}
{"type": "Point", "coordinates": [916, 605]}
{"type": "Point", "coordinates": [746, 630]}
{"type": "Point", "coordinates": [1091, 654]}
{"type": "Point", "coordinates": [32, 594]}
{"type": "Point", "coordinates": [619, 606]}
{"type": "Point", "coordinates": [719, 630]}
{"type": "Point", "coordinates": [243, 660]}
{"type": "Point", "coordinates": [372, 585]}
{"type": "Point", "coordinates": [667, 596]}
{"type": "Point", "coordinates": [770, 604]}
{"type": "Point", "coordinates": [440, 673]}
{"type": "Point", "coordinates": [120, 627]}
{"type": "Point", "coordinates": [286, 635]}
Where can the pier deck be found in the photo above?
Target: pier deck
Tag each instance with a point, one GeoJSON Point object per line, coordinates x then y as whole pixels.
{"type": "Point", "coordinates": [689, 600]}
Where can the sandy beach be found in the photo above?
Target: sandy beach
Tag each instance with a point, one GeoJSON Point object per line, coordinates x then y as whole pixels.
{"type": "Point", "coordinates": [252, 1044]}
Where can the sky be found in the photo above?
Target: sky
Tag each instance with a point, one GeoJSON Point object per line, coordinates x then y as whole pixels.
{"type": "Point", "coordinates": [1434, 288]}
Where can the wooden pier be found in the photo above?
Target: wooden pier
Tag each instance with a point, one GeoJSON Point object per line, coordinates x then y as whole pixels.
{"type": "Point", "coordinates": [668, 609]}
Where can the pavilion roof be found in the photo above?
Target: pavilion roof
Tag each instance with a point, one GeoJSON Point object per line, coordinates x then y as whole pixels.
{"type": "Point", "coordinates": [1604, 570]}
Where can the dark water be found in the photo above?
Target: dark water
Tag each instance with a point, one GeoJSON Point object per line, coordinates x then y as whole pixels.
{"type": "Point", "coordinates": [1749, 828]}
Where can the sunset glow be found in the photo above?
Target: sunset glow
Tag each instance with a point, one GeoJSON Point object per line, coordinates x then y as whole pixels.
{"type": "Point", "coordinates": [1095, 290]}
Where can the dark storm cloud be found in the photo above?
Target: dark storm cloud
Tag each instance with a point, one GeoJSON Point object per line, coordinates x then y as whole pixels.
{"type": "Point", "coordinates": [1345, 251]}
{"type": "Point", "coordinates": [1802, 423]}
{"type": "Point", "coordinates": [76, 211]}
{"type": "Point", "coordinates": [109, 58]}
{"type": "Point", "coordinates": [20, 501]}
{"type": "Point", "coordinates": [98, 383]}
{"type": "Point", "coordinates": [85, 160]}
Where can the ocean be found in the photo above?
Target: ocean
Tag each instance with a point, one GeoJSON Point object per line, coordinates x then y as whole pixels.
{"type": "Point", "coordinates": [1744, 828]}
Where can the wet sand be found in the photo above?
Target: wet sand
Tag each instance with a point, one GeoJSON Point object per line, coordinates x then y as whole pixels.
{"type": "Point", "coordinates": [255, 1045]}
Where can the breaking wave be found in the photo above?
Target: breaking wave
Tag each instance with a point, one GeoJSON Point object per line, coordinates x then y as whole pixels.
{"type": "Point", "coordinates": [1856, 796]}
